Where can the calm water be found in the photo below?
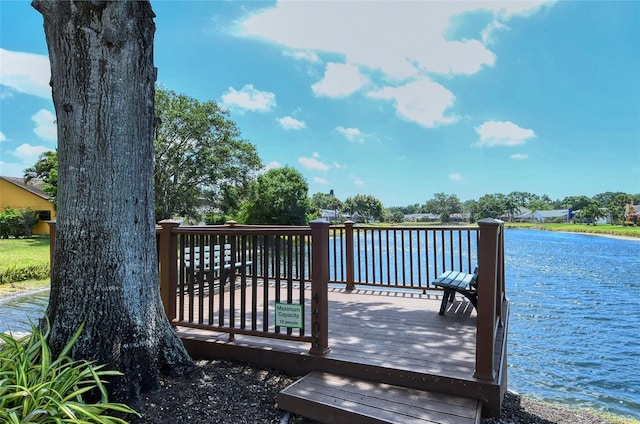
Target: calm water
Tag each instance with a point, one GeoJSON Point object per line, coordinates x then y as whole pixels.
{"type": "Point", "coordinates": [575, 318]}
{"type": "Point", "coordinates": [16, 313]}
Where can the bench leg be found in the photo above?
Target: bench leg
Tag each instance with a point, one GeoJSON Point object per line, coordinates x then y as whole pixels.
{"type": "Point", "coordinates": [445, 297]}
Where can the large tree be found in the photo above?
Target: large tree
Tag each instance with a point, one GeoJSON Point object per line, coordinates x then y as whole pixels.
{"type": "Point", "coordinates": [105, 264]}
{"type": "Point", "coordinates": [199, 156]}
{"type": "Point", "coordinates": [279, 196]}
{"type": "Point", "coordinates": [444, 205]}
{"type": "Point", "coordinates": [364, 208]}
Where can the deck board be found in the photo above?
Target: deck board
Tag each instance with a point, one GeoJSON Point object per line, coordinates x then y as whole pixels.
{"type": "Point", "coordinates": [397, 329]}
{"type": "Point", "coordinates": [339, 399]}
{"type": "Point", "coordinates": [395, 338]}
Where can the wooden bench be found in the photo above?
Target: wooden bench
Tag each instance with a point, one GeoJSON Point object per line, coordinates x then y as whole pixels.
{"type": "Point", "coordinates": [219, 260]}
{"type": "Point", "coordinates": [460, 282]}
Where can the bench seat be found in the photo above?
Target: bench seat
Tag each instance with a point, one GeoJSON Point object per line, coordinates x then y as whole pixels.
{"type": "Point", "coordinates": [458, 282]}
{"type": "Point", "coordinates": [219, 260]}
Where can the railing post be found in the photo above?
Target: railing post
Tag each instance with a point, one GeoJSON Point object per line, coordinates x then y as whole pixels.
{"type": "Point", "coordinates": [488, 280]}
{"type": "Point", "coordinates": [52, 245]}
{"type": "Point", "coordinates": [349, 254]}
{"type": "Point", "coordinates": [319, 287]}
{"type": "Point", "coordinates": [168, 258]}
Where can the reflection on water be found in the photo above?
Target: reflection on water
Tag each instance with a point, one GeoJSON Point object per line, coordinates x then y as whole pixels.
{"type": "Point", "coordinates": [18, 312]}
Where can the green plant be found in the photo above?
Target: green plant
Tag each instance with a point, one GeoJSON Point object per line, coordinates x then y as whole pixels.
{"type": "Point", "coordinates": [37, 388]}
{"type": "Point", "coordinates": [17, 223]}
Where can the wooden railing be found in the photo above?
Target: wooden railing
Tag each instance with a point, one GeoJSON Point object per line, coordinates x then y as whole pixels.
{"type": "Point", "coordinates": [266, 266]}
{"type": "Point", "coordinates": [402, 257]}
{"type": "Point", "coordinates": [269, 265]}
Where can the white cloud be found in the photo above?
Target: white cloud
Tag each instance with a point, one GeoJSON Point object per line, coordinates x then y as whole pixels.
{"type": "Point", "coordinates": [352, 134]}
{"type": "Point", "coordinates": [423, 101]}
{"type": "Point", "coordinates": [399, 46]}
{"type": "Point", "coordinates": [455, 177]}
{"type": "Point", "coordinates": [271, 165]}
{"type": "Point", "coordinates": [25, 72]}
{"type": "Point", "coordinates": [249, 98]}
{"type": "Point", "coordinates": [2, 137]}
{"type": "Point", "coordinates": [291, 123]}
{"type": "Point", "coordinates": [357, 180]}
{"type": "Point", "coordinates": [313, 164]}
{"type": "Point", "coordinates": [30, 154]}
{"type": "Point", "coordinates": [308, 55]}
{"type": "Point", "coordinates": [519, 156]}
{"type": "Point", "coordinates": [340, 80]}
{"type": "Point", "coordinates": [46, 127]}
{"type": "Point", "coordinates": [400, 39]}
{"type": "Point", "coordinates": [502, 133]}
{"type": "Point", "coordinates": [319, 180]}
{"type": "Point", "coordinates": [337, 165]}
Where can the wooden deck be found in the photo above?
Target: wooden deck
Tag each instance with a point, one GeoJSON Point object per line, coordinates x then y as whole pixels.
{"type": "Point", "coordinates": [391, 337]}
{"type": "Point", "coordinates": [337, 399]}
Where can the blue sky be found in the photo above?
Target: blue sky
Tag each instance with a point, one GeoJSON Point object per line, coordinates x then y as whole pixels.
{"type": "Point", "coordinates": [397, 99]}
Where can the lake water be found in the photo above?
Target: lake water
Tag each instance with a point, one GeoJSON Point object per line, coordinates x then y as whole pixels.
{"type": "Point", "coordinates": [575, 318]}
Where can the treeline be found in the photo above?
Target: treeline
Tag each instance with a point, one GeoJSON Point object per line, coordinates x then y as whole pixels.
{"type": "Point", "coordinates": [448, 207]}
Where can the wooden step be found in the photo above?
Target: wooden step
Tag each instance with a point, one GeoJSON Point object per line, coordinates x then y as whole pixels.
{"type": "Point", "coordinates": [335, 399]}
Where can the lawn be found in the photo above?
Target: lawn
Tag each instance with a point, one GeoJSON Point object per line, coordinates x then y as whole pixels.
{"type": "Point", "coordinates": [24, 259]}
{"type": "Point", "coordinates": [603, 229]}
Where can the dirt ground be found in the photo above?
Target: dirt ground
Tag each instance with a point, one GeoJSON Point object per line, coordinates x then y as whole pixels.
{"type": "Point", "coordinates": [232, 393]}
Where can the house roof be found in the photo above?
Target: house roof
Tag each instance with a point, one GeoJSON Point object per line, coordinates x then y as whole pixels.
{"type": "Point", "coordinates": [551, 214]}
{"type": "Point", "coordinates": [33, 186]}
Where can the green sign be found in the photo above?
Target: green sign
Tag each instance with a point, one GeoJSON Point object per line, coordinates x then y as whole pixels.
{"type": "Point", "coordinates": [289, 315]}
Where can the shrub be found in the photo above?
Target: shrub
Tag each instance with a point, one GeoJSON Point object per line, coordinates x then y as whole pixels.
{"type": "Point", "coordinates": [15, 273]}
{"type": "Point", "coordinates": [17, 223]}
{"type": "Point", "coordinates": [37, 388]}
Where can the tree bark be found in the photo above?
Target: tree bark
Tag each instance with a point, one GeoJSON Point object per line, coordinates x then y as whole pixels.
{"type": "Point", "coordinates": [106, 269]}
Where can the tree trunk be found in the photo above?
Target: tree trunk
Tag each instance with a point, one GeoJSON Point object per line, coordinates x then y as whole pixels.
{"type": "Point", "coordinates": [106, 269]}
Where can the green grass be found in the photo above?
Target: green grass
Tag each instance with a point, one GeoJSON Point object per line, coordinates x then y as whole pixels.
{"type": "Point", "coordinates": [602, 229]}
{"type": "Point", "coordinates": [24, 259]}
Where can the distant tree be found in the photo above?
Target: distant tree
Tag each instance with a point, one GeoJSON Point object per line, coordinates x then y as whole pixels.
{"type": "Point", "coordinates": [490, 206]}
{"type": "Point", "coordinates": [540, 205]}
{"type": "Point", "coordinates": [364, 208]}
{"type": "Point", "coordinates": [394, 214]}
{"type": "Point", "coordinates": [45, 170]}
{"type": "Point", "coordinates": [199, 154]}
{"type": "Point", "coordinates": [471, 207]}
{"type": "Point", "coordinates": [105, 275]}
{"type": "Point", "coordinates": [591, 213]}
{"type": "Point", "coordinates": [575, 202]}
{"type": "Point", "coordinates": [604, 199]}
{"type": "Point", "coordinates": [617, 208]}
{"type": "Point", "coordinates": [444, 205]}
{"type": "Point", "coordinates": [279, 196]}
{"type": "Point", "coordinates": [511, 207]}
{"type": "Point", "coordinates": [326, 201]}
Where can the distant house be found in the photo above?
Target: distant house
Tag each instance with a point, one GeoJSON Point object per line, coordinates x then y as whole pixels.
{"type": "Point", "coordinates": [15, 193]}
{"type": "Point", "coordinates": [421, 217]}
{"type": "Point", "coordinates": [330, 215]}
{"type": "Point", "coordinates": [521, 214]}
{"type": "Point", "coordinates": [552, 215]}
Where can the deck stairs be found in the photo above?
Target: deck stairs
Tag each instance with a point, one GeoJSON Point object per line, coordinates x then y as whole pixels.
{"type": "Point", "coordinates": [335, 399]}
